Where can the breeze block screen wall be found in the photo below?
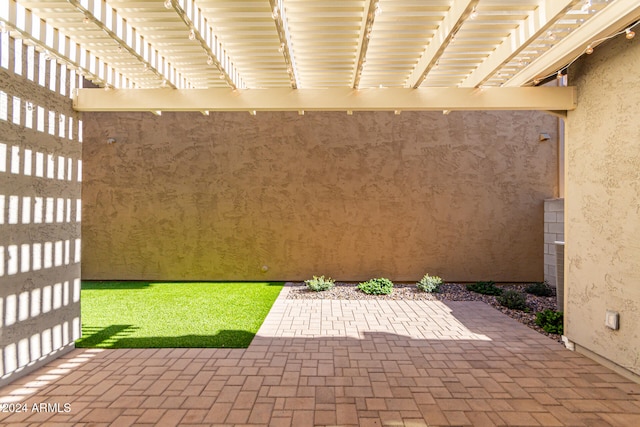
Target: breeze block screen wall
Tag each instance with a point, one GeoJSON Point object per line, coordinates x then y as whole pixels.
{"type": "Point", "coordinates": [279, 196]}
{"type": "Point", "coordinates": [40, 190]}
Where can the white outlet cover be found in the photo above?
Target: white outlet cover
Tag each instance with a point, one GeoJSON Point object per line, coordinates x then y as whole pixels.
{"type": "Point", "coordinates": [612, 320]}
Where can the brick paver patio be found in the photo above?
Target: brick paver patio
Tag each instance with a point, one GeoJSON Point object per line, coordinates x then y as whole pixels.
{"type": "Point", "coordinates": [319, 362]}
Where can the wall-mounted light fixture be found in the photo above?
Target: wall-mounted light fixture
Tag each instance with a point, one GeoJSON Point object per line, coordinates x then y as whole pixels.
{"type": "Point", "coordinates": [544, 137]}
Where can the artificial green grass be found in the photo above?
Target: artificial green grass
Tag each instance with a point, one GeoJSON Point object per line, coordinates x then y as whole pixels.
{"type": "Point", "coordinates": [158, 315]}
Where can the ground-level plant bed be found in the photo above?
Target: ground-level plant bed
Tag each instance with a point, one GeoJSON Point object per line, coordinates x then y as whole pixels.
{"type": "Point", "coordinates": [447, 292]}
{"type": "Point", "coordinates": [173, 314]}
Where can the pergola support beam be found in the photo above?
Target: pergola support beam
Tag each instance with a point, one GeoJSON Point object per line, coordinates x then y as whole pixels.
{"type": "Point", "coordinates": [460, 10]}
{"type": "Point", "coordinates": [332, 99]}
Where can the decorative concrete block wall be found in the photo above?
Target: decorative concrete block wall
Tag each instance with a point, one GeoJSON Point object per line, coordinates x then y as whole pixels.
{"type": "Point", "coordinates": [553, 231]}
{"type": "Point", "coordinates": [40, 191]}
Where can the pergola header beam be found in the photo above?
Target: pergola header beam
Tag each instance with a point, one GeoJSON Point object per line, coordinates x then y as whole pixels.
{"type": "Point", "coordinates": [612, 18]}
{"type": "Point", "coordinates": [331, 99]}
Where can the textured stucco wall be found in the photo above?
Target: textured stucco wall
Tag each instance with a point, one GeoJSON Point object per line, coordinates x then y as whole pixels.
{"type": "Point", "coordinates": [40, 196]}
{"type": "Point", "coordinates": [602, 209]}
{"type": "Point", "coordinates": [187, 196]}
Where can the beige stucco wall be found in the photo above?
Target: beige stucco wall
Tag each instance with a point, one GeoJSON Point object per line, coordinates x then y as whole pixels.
{"type": "Point", "coordinates": [39, 224]}
{"type": "Point", "coordinates": [602, 261]}
{"type": "Point", "coordinates": [188, 196]}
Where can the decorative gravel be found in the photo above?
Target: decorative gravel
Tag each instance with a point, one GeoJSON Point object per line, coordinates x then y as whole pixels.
{"type": "Point", "coordinates": [448, 292]}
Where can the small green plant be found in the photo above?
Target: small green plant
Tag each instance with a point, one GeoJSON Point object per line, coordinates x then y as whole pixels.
{"type": "Point", "coordinates": [318, 284]}
{"type": "Point", "coordinates": [513, 299]}
{"type": "Point", "coordinates": [379, 286]}
{"type": "Point", "coordinates": [429, 283]}
{"type": "Point", "coordinates": [486, 288]}
{"type": "Point", "coordinates": [550, 321]}
{"type": "Point", "coordinates": [541, 289]}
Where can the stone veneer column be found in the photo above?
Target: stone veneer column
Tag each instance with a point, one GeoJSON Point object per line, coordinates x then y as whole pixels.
{"type": "Point", "coordinates": [553, 231]}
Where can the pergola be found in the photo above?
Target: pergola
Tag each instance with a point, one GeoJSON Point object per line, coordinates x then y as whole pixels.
{"type": "Point", "coordinates": [294, 55]}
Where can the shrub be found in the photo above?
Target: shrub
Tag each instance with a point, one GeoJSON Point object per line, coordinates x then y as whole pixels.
{"type": "Point", "coordinates": [550, 321]}
{"type": "Point", "coordinates": [486, 288]}
{"type": "Point", "coordinates": [380, 286]}
{"type": "Point", "coordinates": [318, 284]}
{"type": "Point", "coordinates": [541, 289]}
{"type": "Point", "coordinates": [513, 299]}
{"type": "Point", "coordinates": [429, 283]}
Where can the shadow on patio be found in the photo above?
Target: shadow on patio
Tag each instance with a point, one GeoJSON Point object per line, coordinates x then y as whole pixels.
{"type": "Point", "coordinates": [502, 373]}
